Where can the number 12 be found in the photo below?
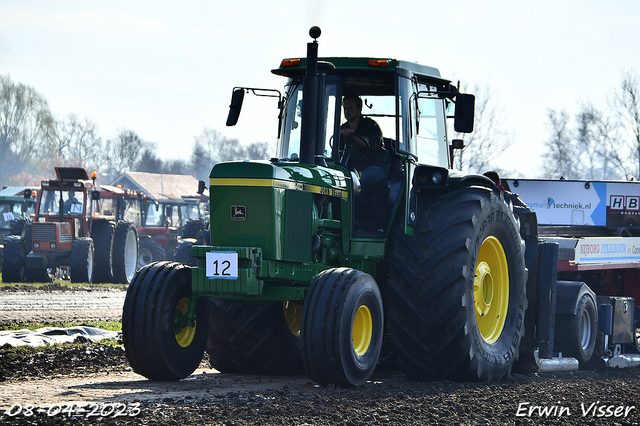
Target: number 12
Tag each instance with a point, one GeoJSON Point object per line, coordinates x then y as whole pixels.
{"type": "Point", "coordinates": [226, 265]}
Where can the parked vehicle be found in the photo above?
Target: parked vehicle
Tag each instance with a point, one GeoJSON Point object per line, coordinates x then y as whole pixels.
{"type": "Point", "coordinates": [68, 235]}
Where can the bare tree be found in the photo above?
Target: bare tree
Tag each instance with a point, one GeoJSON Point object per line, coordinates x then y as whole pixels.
{"type": "Point", "coordinates": [627, 108]}
{"type": "Point", "coordinates": [26, 126]}
{"type": "Point", "coordinates": [78, 140]}
{"type": "Point", "coordinates": [258, 151]}
{"type": "Point", "coordinates": [561, 155]}
{"type": "Point", "coordinates": [212, 147]}
{"type": "Point", "coordinates": [488, 141]}
{"type": "Point", "coordinates": [124, 152]}
{"type": "Point", "coordinates": [149, 161]}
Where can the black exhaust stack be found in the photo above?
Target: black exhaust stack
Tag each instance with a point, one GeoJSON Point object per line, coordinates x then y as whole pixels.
{"type": "Point", "coordinates": [310, 101]}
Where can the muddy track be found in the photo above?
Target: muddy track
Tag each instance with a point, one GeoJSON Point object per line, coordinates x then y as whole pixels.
{"type": "Point", "coordinates": [43, 388]}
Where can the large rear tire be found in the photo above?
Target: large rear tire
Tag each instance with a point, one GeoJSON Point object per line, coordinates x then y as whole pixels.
{"type": "Point", "coordinates": [102, 234]}
{"type": "Point", "coordinates": [342, 327]}
{"type": "Point", "coordinates": [13, 259]}
{"type": "Point", "coordinates": [183, 252]}
{"type": "Point", "coordinates": [125, 252]}
{"type": "Point", "coordinates": [158, 342]}
{"type": "Point", "coordinates": [457, 288]}
{"type": "Point", "coordinates": [16, 227]}
{"type": "Point", "coordinates": [192, 228]}
{"type": "Point", "coordinates": [247, 338]}
{"type": "Point", "coordinates": [81, 260]}
{"type": "Point", "coordinates": [149, 251]}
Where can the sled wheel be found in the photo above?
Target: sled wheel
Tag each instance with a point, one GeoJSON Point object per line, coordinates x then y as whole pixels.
{"type": "Point", "coordinates": [342, 327]}
{"type": "Point", "coordinates": [159, 343]}
{"type": "Point", "coordinates": [575, 335]}
{"type": "Point", "coordinates": [457, 287]}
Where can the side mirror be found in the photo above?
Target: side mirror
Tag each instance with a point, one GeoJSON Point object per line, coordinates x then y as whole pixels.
{"type": "Point", "coordinates": [26, 194]}
{"type": "Point", "coordinates": [95, 195]}
{"type": "Point", "coordinates": [201, 187]}
{"type": "Point", "coordinates": [235, 107]}
{"type": "Point", "coordinates": [465, 107]}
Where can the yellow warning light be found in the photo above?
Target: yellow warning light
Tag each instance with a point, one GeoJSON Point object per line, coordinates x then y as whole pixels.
{"type": "Point", "coordinates": [382, 63]}
{"type": "Point", "coordinates": [119, 186]}
{"type": "Point", "coordinates": [94, 175]}
{"type": "Point", "coordinates": [290, 63]}
{"type": "Point", "coordinates": [34, 193]}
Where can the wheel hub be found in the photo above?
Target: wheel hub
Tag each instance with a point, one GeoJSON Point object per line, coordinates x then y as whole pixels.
{"type": "Point", "coordinates": [483, 289]}
{"type": "Point", "coordinates": [362, 330]}
{"type": "Point", "coordinates": [183, 332]}
{"type": "Point", "coordinates": [491, 289]}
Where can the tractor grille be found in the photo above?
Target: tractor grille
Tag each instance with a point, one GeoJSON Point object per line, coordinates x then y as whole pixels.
{"type": "Point", "coordinates": [44, 232]}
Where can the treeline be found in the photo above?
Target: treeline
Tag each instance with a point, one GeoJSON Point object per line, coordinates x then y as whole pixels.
{"type": "Point", "coordinates": [33, 141]}
{"type": "Point", "coordinates": [597, 143]}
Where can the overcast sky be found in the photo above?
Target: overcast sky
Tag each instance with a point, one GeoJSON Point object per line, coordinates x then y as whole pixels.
{"type": "Point", "coordinates": [166, 69]}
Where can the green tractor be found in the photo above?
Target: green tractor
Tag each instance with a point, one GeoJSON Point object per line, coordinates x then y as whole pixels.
{"type": "Point", "coordinates": [303, 274]}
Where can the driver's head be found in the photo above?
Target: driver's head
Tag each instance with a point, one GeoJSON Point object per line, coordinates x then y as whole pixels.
{"type": "Point", "coordinates": [352, 106]}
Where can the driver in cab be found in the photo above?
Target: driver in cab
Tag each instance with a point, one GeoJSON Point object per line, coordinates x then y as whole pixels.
{"type": "Point", "coordinates": [363, 137]}
{"type": "Point", "coordinates": [72, 205]}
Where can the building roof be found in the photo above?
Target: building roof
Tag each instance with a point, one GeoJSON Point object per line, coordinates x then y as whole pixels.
{"type": "Point", "coordinates": [159, 185]}
{"type": "Point", "coordinates": [11, 191]}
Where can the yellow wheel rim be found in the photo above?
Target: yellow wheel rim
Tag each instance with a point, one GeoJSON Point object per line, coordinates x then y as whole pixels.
{"type": "Point", "coordinates": [362, 330]}
{"type": "Point", "coordinates": [184, 335]}
{"type": "Point", "coordinates": [293, 316]}
{"type": "Point", "coordinates": [491, 289]}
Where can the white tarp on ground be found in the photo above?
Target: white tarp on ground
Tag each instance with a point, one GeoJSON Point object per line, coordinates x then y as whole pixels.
{"type": "Point", "coordinates": [52, 335]}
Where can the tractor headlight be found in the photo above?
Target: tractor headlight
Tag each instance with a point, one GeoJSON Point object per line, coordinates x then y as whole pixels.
{"type": "Point", "coordinates": [52, 246]}
{"type": "Point", "coordinates": [36, 245]}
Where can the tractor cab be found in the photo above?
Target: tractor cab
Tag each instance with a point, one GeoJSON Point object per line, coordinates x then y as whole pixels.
{"type": "Point", "coordinates": [62, 210]}
{"type": "Point", "coordinates": [409, 102]}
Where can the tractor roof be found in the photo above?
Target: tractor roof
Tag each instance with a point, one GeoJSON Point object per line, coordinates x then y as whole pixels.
{"type": "Point", "coordinates": [296, 66]}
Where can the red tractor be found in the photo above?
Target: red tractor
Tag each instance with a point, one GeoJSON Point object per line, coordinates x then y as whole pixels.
{"type": "Point", "coordinates": [166, 223]}
{"type": "Point", "coordinates": [70, 237]}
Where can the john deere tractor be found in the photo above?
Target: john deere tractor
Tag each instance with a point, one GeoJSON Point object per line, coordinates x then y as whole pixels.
{"type": "Point", "coordinates": [295, 280]}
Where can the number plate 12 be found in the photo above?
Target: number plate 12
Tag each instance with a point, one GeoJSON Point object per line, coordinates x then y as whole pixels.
{"type": "Point", "coordinates": [222, 265]}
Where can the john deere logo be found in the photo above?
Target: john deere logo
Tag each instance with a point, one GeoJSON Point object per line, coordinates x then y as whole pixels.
{"type": "Point", "coordinates": [238, 213]}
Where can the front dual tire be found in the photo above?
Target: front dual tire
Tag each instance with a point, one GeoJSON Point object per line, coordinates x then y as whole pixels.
{"type": "Point", "coordinates": [342, 327]}
{"type": "Point", "coordinates": [159, 342]}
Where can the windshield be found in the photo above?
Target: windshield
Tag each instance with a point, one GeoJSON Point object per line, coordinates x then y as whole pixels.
{"type": "Point", "coordinates": [8, 212]}
{"type": "Point", "coordinates": [154, 215]}
{"type": "Point", "coordinates": [72, 202]}
{"type": "Point", "coordinates": [132, 211]}
{"type": "Point", "coordinates": [190, 211]}
{"type": "Point", "coordinates": [415, 123]}
{"type": "Point", "coordinates": [289, 146]}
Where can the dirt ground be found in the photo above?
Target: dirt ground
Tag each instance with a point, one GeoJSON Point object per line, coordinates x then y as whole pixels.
{"type": "Point", "coordinates": [94, 385]}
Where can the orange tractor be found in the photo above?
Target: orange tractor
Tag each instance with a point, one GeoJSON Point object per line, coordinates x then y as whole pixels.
{"type": "Point", "coordinates": [68, 236]}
